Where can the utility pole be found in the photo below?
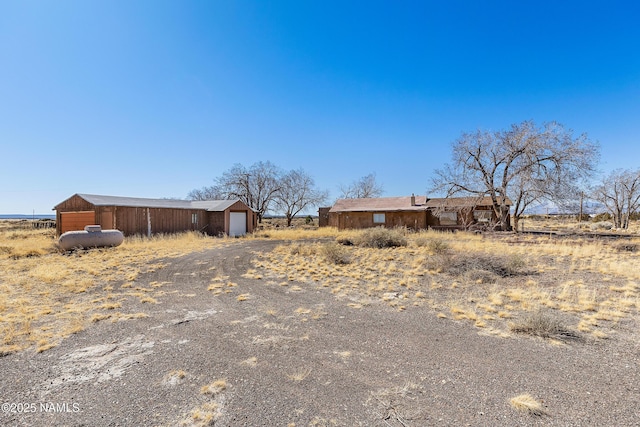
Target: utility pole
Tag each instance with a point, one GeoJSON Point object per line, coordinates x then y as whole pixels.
{"type": "Point", "coordinates": [581, 204]}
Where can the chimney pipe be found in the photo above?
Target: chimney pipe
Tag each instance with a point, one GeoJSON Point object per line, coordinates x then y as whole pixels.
{"type": "Point", "coordinates": [413, 199]}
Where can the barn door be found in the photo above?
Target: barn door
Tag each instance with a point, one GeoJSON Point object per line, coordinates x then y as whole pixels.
{"type": "Point", "coordinates": [72, 221]}
{"type": "Point", "coordinates": [237, 224]}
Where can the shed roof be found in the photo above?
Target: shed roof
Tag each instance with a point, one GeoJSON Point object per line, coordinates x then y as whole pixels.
{"type": "Point", "coordinates": [139, 202]}
{"type": "Point", "coordinates": [403, 204]}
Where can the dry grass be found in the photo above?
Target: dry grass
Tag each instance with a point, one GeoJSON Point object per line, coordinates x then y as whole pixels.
{"type": "Point", "coordinates": [208, 412]}
{"type": "Point", "coordinates": [214, 388]}
{"type": "Point", "coordinates": [484, 280]}
{"type": "Point", "coordinates": [570, 224]}
{"type": "Point", "coordinates": [527, 404]}
{"type": "Point", "coordinates": [46, 295]}
{"type": "Point", "coordinates": [299, 375]}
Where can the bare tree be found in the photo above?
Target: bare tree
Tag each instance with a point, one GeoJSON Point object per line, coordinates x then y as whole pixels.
{"type": "Point", "coordinates": [619, 192]}
{"type": "Point", "coordinates": [206, 193]}
{"type": "Point", "coordinates": [297, 192]}
{"type": "Point", "coordinates": [256, 186]}
{"type": "Point", "coordinates": [365, 187]}
{"type": "Point", "coordinates": [465, 213]}
{"type": "Point", "coordinates": [527, 161]}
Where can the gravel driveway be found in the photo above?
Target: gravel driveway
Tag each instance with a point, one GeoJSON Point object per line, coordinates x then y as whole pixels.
{"type": "Point", "coordinates": [285, 357]}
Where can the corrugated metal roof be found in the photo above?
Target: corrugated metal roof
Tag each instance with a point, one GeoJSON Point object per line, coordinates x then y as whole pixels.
{"type": "Point", "coordinates": [398, 204]}
{"type": "Point", "coordinates": [139, 202]}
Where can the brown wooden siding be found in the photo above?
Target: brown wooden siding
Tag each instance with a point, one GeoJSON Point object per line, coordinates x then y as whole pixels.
{"type": "Point", "coordinates": [415, 219]}
{"type": "Point", "coordinates": [323, 217]}
{"type": "Point", "coordinates": [216, 223]}
{"type": "Point", "coordinates": [135, 220]}
{"type": "Point", "coordinates": [342, 220]}
{"type": "Point", "coordinates": [72, 204]}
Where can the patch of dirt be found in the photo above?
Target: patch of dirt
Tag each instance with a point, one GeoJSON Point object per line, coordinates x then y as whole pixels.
{"type": "Point", "coordinates": [299, 355]}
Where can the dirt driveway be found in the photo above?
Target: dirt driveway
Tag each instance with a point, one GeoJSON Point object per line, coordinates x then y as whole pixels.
{"type": "Point", "coordinates": [268, 355]}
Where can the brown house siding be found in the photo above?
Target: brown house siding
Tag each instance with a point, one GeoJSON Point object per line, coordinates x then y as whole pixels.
{"type": "Point", "coordinates": [323, 217]}
{"type": "Point", "coordinates": [417, 220]}
{"type": "Point", "coordinates": [342, 220]}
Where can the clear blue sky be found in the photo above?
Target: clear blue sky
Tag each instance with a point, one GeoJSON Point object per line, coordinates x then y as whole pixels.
{"type": "Point", "coordinates": [155, 98]}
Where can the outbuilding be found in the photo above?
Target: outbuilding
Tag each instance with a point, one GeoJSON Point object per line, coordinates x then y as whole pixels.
{"type": "Point", "coordinates": [133, 215]}
{"type": "Point", "coordinates": [416, 212]}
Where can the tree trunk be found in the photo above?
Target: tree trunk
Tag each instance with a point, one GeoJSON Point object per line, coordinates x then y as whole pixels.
{"type": "Point", "coordinates": [516, 219]}
{"type": "Point", "coordinates": [504, 218]}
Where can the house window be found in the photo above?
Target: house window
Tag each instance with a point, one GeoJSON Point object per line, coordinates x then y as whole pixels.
{"type": "Point", "coordinates": [448, 218]}
{"type": "Point", "coordinates": [378, 218]}
{"type": "Point", "coordinates": [194, 218]}
{"type": "Point", "coordinates": [482, 215]}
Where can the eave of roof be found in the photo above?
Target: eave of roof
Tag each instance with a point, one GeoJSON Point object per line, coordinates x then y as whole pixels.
{"type": "Point", "coordinates": [139, 202]}
{"type": "Point", "coordinates": [403, 204]}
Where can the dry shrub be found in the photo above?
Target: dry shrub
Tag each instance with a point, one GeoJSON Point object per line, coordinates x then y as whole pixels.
{"type": "Point", "coordinates": [626, 247]}
{"type": "Point", "coordinates": [335, 253]}
{"type": "Point", "coordinates": [543, 325]}
{"type": "Point", "coordinates": [481, 276]}
{"type": "Point", "coordinates": [602, 225]}
{"type": "Point", "coordinates": [302, 249]}
{"type": "Point", "coordinates": [433, 244]}
{"type": "Point", "coordinates": [378, 237]}
{"type": "Point", "coordinates": [462, 264]}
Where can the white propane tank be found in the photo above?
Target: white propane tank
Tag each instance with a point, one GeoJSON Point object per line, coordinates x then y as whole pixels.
{"type": "Point", "coordinates": [92, 237]}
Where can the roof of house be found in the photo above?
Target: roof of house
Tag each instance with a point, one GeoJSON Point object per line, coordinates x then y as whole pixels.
{"type": "Point", "coordinates": [403, 204]}
{"type": "Point", "coordinates": [139, 202]}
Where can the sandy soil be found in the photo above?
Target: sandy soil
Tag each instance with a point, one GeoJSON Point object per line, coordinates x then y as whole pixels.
{"type": "Point", "coordinates": [306, 358]}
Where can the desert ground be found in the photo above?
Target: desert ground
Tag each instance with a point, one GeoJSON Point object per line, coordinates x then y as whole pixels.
{"type": "Point", "coordinates": [315, 327]}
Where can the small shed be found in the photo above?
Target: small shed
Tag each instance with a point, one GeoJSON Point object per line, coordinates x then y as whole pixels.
{"type": "Point", "coordinates": [133, 215]}
{"type": "Point", "coordinates": [416, 212]}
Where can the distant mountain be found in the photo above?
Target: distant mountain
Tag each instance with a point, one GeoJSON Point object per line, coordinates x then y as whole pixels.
{"type": "Point", "coordinates": [21, 216]}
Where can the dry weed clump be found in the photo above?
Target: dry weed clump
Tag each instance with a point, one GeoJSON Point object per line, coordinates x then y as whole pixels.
{"type": "Point", "coordinates": [46, 295]}
{"type": "Point", "coordinates": [458, 264]}
{"type": "Point", "coordinates": [543, 325]}
{"type": "Point", "coordinates": [335, 253]}
{"type": "Point", "coordinates": [378, 237]}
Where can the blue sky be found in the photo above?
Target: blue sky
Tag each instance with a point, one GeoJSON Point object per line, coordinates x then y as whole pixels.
{"type": "Point", "coordinates": [155, 98]}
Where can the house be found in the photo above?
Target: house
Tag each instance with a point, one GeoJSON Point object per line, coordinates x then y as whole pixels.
{"type": "Point", "coordinates": [416, 212]}
{"type": "Point", "coordinates": [133, 215]}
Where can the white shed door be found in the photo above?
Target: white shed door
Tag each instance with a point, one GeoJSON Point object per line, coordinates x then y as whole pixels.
{"type": "Point", "coordinates": [237, 224]}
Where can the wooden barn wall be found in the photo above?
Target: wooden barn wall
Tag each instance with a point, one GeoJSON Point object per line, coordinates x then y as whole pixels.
{"type": "Point", "coordinates": [216, 223]}
{"type": "Point", "coordinates": [134, 220]}
{"type": "Point", "coordinates": [72, 204]}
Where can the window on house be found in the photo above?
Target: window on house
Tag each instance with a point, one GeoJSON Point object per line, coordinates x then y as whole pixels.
{"type": "Point", "coordinates": [378, 218]}
{"type": "Point", "coordinates": [482, 215]}
{"type": "Point", "coordinates": [448, 218]}
{"type": "Point", "coordinates": [194, 218]}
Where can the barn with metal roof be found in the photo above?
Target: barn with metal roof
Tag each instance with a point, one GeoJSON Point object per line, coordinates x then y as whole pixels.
{"type": "Point", "coordinates": [133, 215]}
